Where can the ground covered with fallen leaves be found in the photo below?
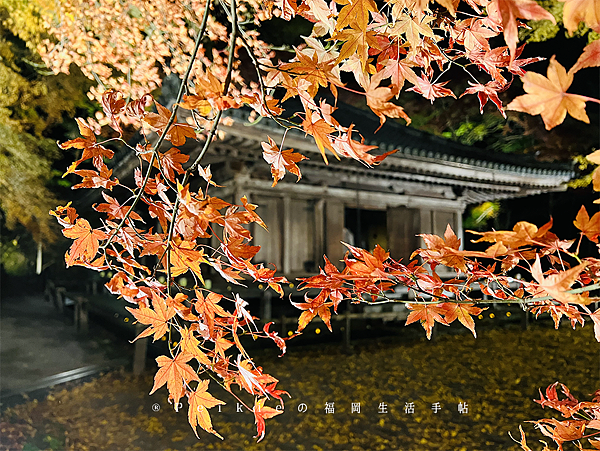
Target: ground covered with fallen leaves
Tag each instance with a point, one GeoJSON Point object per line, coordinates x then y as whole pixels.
{"type": "Point", "coordinates": [497, 375]}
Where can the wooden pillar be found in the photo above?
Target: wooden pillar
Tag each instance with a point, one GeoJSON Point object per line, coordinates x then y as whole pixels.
{"type": "Point", "coordinates": [81, 317]}
{"type": "Point", "coordinates": [140, 351]}
{"type": "Point", "coordinates": [288, 240]}
{"type": "Point", "coordinates": [266, 306]}
{"type": "Point", "coordinates": [319, 242]}
{"type": "Point", "coordinates": [334, 231]}
{"type": "Point", "coordinates": [460, 233]}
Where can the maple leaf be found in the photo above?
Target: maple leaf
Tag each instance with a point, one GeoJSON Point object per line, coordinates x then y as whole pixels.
{"type": "Point", "coordinates": [412, 28]}
{"type": "Point", "coordinates": [427, 314]}
{"type": "Point", "coordinates": [280, 160]}
{"type": "Point", "coordinates": [171, 162]}
{"type": "Point", "coordinates": [566, 406]}
{"type": "Point", "coordinates": [431, 90]}
{"type": "Point", "coordinates": [589, 58]}
{"type": "Point", "coordinates": [349, 148]}
{"type": "Point", "coordinates": [596, 320]}
{"type": "Point", "coordinates": [280, 342]}
{"type": "Point", "coordinates": [312, 308]}
{"type": "Point", "coordinates": [312, 70]}
{"type": "Point", "coordinates": [91, 149]}
{"type": "Point", "coordinates": [548, 96]}
{"type": "Point", "coordinates": [398, 71]}
{"type": "Point", "coordinates": [113, 104]}
{"type": "Point", "coordinates": [252, 216]}
{"type": "Point", "coordinates": [114, 210]}
{"type": "Point", "coordinates": [93, 179]}
{"type": "Point", "coordinates": [251, 378]}
{"type": "Point", "coordinates": [199, 402]}
{"type": "Point", "coordinates": [443, 250]}
{"type": "Point", "coordinates": [221, 344]}
{"type": "Point", "coordinates": [261, 413]}
{"type": "Point", "coordinates": [208, 307]}
{"type": "Point", "coordinates": [288, 8]}
{"type": "Point", "coordinates": [206, 174]}
{"type": "Point", "coordinates": [484, 92]}
{"type": "Point", "coordinates": [556, 285]}
{"type": "Point", "coordinates": [237, 248]}
{"type": "Point", "coordinates": [86, 244]}
{"type": "Point", "coordinates": [198, 103]}
{"type": "Point", "coordinates": [177, 133]}
{"type": "Point", "coordinates": [174, 372]}
{"type": "Point", "coordinates": [356, 42]}
{"type": "Point", "coordinates": [589, 227]}
{"type": "Point", "coordinates": [576, 11]}
{"type": "Point", "coordinates": [355, 12]}
{"type": "Point", "coordinates": [463, 312]}
{"type": "Point", "coordinates": [510, 10]}
{"type": "Point", "coordinates": [378, 100]}
{"type": "Point", "coordinates": [158, 319]}
{"type": "Point", "coordinates": [319, 130]}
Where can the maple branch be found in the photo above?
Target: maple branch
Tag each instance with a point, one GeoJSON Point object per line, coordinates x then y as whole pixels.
{"type": "Point", "coordinates": [513, 300]}
{"type": "Point", "coordinates": [169, 123]}
{"type": "Point", "coordinates": [208, 140]}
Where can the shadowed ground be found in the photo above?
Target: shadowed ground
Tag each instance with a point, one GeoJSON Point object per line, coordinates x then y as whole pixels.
{"type": "Point", "coordinates": [37, 343]}
{"type": "Point", "coordinates": [497, 374]}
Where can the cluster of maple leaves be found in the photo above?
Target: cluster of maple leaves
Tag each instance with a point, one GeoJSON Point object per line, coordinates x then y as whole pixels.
{"type": "Point", "coordinates": [383, 48]}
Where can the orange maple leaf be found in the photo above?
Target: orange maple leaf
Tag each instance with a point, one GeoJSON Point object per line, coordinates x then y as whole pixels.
{"type": "Point", "coordinates": [93, 179]}
{"type": "Point", "coordinates": [556, 285]}
{"type": "Point", "coordinates": [262, 412]}
{"type": "Point", "coordinates": [158, 319]}
{"type": "Point", "coordinates": [378, 100]}
{"type": "Point", "coordinates": [190, 345]}
{"type": "Point", "coordinates": [208, 307]}
{"type": "Point", "coordinates": [177, 133]}
{"type": "Point", "coordinates": [199, 403]}
{"type": "Point", "coordinates": [280, 160]}
{"type": "Point", "coordinates": [171, 162]}
{"type": "Point", "coordinates": [463, 312]}
{"type": "Point", "coordinates": [312, 308]}
{"type": "Point", "coordinates": [356, 42]}
{"type": "Point", "coordinates": [319, 130]}
{"type": "Point", "coordinates": [174, 372]}
{"type": "Point", "coordinates": [589, 58]}
{"type": "Point", "coordinates": [548, 96]}
{"type": "Point", "coordinates": [443, 250]}
{"type": "Point", "coordinates": [198, 103]}
{"type": "Point", "coordinates": [91, 149]}
{"type": "Point", "coordinates": [427, 314]}
{"type": "Point", "coordinates": [510, 10]}
{"type": "Point", "coordinates": [589, 227]}
{"type": "Point", "coordinates": [355, 12]}
{"type": "Point", "coordinates": [86, 242]}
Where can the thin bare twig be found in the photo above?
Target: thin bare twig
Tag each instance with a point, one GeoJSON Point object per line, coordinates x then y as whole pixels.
{"type": "Point", "coordinates": [209, 138]}
{"type": "Point", "coordinates": [166, 129]}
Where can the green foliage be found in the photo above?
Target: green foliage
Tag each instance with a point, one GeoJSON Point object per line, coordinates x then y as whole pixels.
{"type": "Point", "coordinates": [14, 261]}
{"type": "Point", "coordinates": [478, 216]}
{"type": "Point", "coordinates": [544, 30]}
{"type": "Point", "coordinates": [32, 107]}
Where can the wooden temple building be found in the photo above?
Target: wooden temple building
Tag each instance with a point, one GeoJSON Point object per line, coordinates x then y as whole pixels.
{"type": "Point", "coordinates": [424, 186]}
{"type": "Point", "coordinates": [421, 188]}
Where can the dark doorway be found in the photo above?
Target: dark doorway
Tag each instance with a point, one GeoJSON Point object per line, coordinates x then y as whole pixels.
{"type": "Point", "coordinates": [365, 228]}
